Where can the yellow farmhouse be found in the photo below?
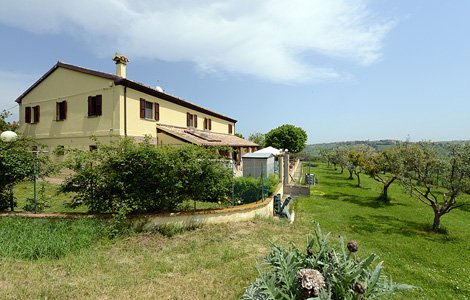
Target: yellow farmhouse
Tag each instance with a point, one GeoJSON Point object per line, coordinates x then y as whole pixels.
{"type": "Point", "coordinates": [69, 104]}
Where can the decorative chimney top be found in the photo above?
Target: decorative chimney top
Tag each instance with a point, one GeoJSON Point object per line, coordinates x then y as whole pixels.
{"type": "Point", "coordinates": [121, 62]}
{"type": "Point", "coordinates": [120, 59]}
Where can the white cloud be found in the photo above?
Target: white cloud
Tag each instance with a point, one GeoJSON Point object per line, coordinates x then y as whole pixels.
{"type": "Point", "coordinates": [285, 41]}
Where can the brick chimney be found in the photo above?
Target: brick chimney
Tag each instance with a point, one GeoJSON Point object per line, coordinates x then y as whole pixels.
{"type": "Point", "coordinates": [121, 62]}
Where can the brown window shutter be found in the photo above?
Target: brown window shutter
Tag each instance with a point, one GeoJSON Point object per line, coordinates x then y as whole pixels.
{"type": "Point", "coordinates": [210, 124]}
{"type": "Point", "coordinates": [157, 112]}
{"type": "Point", "coordinates": [230, 129]}
{"type": "Point", "coordinates": [195, 121]}
{"type": "Point", "coordinates": [65, 109]}
{"type": "Point", "coordinates": [142, 108]}
{"type": "Point", "coordinates": [27, 114]}
{"type": "Point", "coordinates": [90, 105]}
{"type": "Point", "coordinates": [36, 114]}
{"type": "Point", "coordinates": [57, 111]}
{"type": "Point", "coordinates": [205, 124]}
{"type": "Point", "coordinates": [99, 105]}
{"type": "Point", "coordinates": [188, 119]}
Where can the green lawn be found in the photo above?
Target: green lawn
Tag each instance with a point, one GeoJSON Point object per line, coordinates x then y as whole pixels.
{"type": "Point", "coordinates": [437, 263]}
{"type": "Point", "coordinates": [218, 261]}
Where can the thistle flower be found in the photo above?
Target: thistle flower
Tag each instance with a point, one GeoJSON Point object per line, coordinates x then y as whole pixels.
{"type": "Point", "coordinates": [359, 288]}
{"type": "Point", "coordinates": [353, 246]}
{"type": "Point", "coordinates": [312, 281]}
{"type": "Point", "coordinates": [309, 252]}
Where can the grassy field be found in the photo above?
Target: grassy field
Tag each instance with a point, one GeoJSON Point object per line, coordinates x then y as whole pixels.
{"type": "Point", "coordinates": [218, 261]}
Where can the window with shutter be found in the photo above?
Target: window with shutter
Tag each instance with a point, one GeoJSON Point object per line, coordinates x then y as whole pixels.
{"type": "Point", "coordinates": [99, 105]}
{"type": "Point", "coordinates": [230, 128]}
{"type": "Point", "coordinates": [157, 112]}
{"type": "Point", "coordinates": [27, 114]}
{"type": "Point", "coordinates": [142, 108]}
{"type": "Point", "coordinates": [195, 121]}
{"type": "Point", "coordinates": [95, 105]}
{"type": "Point", "coordinates": [146, 110]}
{"type": "Point", "coordinates": [36, 114]}
{"type": "Point", "coordinates": [61, 110]}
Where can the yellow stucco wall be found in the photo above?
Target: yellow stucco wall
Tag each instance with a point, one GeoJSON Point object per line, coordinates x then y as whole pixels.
{"type": "Point", "coordinates": [170, 114]}
{"type": "Point", "coordinates": [75, 130]}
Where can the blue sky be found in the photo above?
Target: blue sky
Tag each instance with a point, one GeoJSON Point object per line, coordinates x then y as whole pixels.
{"type": "Point", "coordinates": [342, 70]}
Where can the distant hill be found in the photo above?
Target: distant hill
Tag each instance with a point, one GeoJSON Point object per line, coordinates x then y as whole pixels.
{"type": "Point", "coordinates": [314, 149]}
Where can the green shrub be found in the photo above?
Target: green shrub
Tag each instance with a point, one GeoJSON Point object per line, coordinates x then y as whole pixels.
{"type": "Point", "coordinates": [145, 178]}
{"type": "Point", "coordinates": [249, 189]}
{"type": "Point", "coordinates": [47, 238]}
{"type": "Point", "coordinates": [320, 272]}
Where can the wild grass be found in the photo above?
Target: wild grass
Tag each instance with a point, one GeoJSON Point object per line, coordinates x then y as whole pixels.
{"type": "Point", "coordinates": [34, 239]}
{"type": "Point", "coordinates": [57, 202]}
{"type": "Point", "coordinates": [219, 261]}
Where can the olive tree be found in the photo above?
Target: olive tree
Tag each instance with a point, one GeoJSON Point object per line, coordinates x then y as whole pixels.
{"type": "Point", "coordinates": [422, 164]}
{"type": "Point", "coordinates": [384, 167]}
{"type": "Point", "coordinates": [287, 137]}
{"type": "Point", "coordinates": [356, 160]}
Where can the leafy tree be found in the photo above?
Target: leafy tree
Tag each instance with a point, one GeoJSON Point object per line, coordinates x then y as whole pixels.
{"type": "Point", "coordinates": [422, 164]}
{"type": "Point", "coordinates": [356, 161]}
{"type": "Point", "coordinates": [384, 167]}
{"type": "Point", "coordinates": [239, 135]}
{"type": "Point", "coordinates": [340, 157]}
{"type": "Point", "coordinates": [4, 124]}
{"type": "Point", "coordinates": [144, 178]}
{"type": "Point", "coordinates": [257, 138]}
{"type": "Point", "coordinates": [287, 137]}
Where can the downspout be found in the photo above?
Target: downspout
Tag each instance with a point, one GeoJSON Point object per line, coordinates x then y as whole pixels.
{"type": "Point", "coordinates": [125, 110]}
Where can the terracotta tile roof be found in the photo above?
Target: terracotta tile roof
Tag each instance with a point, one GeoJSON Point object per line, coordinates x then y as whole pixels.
{"type": "Point", "coordinates": [205, 138]}
{"type": "Point", "coordinates": [118, 80]}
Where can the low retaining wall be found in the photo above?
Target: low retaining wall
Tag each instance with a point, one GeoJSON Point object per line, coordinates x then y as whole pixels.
{"type": "Point", "coordinates": [149, 221]}
{"type": "Point", "coordinates": [232, 214]}
{"type": "Point", "coordinates": [297, 190]}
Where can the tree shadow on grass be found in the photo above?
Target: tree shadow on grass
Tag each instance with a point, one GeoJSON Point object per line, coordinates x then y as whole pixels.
{"type": "Point", "coordinates": [366, 201]}
{"type": "Point", "coordinates": [341, 182]}
{"type": "Point", "coordinates": [394, 225]}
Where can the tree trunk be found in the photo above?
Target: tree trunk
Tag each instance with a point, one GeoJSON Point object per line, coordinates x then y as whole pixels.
{"type": "Point", "coordinates": [350, 174]}
{"type": "Point", "coordinates": [358, 180]}
{"type": "Point", "coordinates": [436, 225]}
{"type": "Point", "coordinates": [385, 191]}
{"type": "Point", "coordinates": [342, 169]}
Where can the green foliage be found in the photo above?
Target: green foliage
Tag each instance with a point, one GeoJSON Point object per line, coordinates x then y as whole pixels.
{"type": "Point", "coordinates": [18, 163]}
{"type": "Point", "coordinates": [436, 181]}
{"type": "Point", "coordinates": [4, 124]}
{"type": "Point", "coordinates": [356, 161]}
{"type": "Point", "coordinates": [43, 238]}
{"type": "Point", "coordinates": [287, 137]}
{"type": "Point", "coordinates": [384, 167]}
{"type": "Point", "coordinates": [257, 138]}
{"type": "Point", "coordinates": [42, 201]}
{"type": "Point", "coordinates": [344, 275]}
{"type": "Point", "coordinates": [145, 178]}
{"type": "Point", "coordinates": [249, 189]}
